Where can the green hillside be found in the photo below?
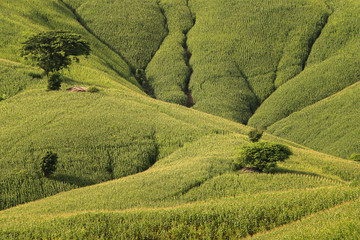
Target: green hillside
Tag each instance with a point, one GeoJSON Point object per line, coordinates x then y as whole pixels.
{"type": "Point", "coordinates": [134, 167]}
{"type": "Point", "coordinates": [191, 193]}
{"type": "Point", "coordinates": [250, 62]}
{"type": "Point", "coordinates": [328, 125]}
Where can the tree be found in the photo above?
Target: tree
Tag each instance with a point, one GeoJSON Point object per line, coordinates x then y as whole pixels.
{"type": "Point", "coordinates": [54, 50]}
{"type": "Point", "coordinates": [261, 155]}
{"type": "Point", "coordinates": [48, 163]}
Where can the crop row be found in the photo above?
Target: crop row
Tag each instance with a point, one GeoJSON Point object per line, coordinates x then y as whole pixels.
{"type": "Point", "coordinates": [227, 218]}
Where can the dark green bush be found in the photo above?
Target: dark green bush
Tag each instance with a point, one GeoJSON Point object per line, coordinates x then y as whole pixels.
{"type": "Point", "coordinates": [255, 134]}
{"type": "Point", "coordinates": [48, 163]}
{"type": "Point", "coordinates": [93, 89]}
{"type": "Point", "coordinates": [261, 155]}
{"type": "Point", "coordinates": [355, 157]}
{"type": "Point", "coordinates": [54, 82]}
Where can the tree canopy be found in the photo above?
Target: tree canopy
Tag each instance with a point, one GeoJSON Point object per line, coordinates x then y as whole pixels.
{"type": "Point", "coordinates": [54, 50]}
{"type": "Point", "coordinates": [262, 155]}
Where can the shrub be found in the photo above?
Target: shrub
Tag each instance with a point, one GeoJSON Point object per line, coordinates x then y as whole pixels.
{"type": "Point", "coordinates": [48, 163]}
{"type": "Point", "coordinates": [54, 82]}
{"type": "Point", "coordinates": [261, 155]}
{"type": "Point", "coordinates": [93, 89]}
{"type": "Point", "coordinates": [355, 157]}
{"type": "Point", "coordinates": [255, 134]}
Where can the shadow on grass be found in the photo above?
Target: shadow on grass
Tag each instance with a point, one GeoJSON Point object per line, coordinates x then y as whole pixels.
{"type": "Point", "coordinates": [70, 81]}
{"type": "Point", "coordinates": [284, 170]}
{"type": "Point", "coordinates": [78, 181]}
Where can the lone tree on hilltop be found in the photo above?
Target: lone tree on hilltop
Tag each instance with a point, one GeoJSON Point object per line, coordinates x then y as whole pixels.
{"type": "Point", "coordinates": [53, 51]}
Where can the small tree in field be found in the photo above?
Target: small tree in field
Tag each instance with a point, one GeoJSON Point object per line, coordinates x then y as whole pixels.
{"type": "Point", "coordinates": [54, 50]}
{"type": "Point", "coordinates": [48, 163]}
{"type": "Point", "coordinates": [261, 155]}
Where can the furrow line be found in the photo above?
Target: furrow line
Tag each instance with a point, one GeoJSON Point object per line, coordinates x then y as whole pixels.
{"type": "Point", "coordinates": [83, 24]}
{"type": "Point", "coordinates": [313, 41]}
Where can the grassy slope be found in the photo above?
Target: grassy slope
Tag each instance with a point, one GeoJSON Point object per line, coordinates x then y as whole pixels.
{"type": "Point", "coordinates": [337, 223]}
{"type": "Point", "coordinates": [117, 126]}
{"type": "Point", "coordinates": [189, 192]}
{"type": "Point", "coordinates": [331, 66]}
{"type": "Point", "coordinates": [134, 29]}
{"type": "Point", "coordinates": [170, 83]}
{"type": "Point", "coordinates": [241, 49]}
{"type": "Point", "coordinates": [271, 59]}
{"type": "Point", "coordinates": [331, 125]}
{"type": "Point", "coordinates": [181, 195]}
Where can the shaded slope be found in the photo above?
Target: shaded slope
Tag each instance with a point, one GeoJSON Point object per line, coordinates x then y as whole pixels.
{"type": "Point", "coordinates": [239, 46]}
{"type": "Point", "coordinates": [15, 77]}
{"type": "Point", "coordinates": [169, 71]}
{"type": "Point", "coordinates": [331, 125]}
{"type": "Point", "coordinates": [332, 66]}
{"type": "Point", "coordinates": [134, 29]}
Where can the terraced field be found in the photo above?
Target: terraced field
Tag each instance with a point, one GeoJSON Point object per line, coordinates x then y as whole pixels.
{"type": "Point", "coordinates": [134, 167]}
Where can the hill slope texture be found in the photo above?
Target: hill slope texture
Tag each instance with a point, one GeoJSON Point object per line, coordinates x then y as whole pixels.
{"type": "Point", "coordinates": [134, 167]}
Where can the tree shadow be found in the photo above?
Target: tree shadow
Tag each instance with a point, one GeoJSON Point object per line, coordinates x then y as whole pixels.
{"type": "Point", "coordinates": [284, 170]}
{"type": "Point", "coordinates": [74, 180]}
{"type": "Point", "coordinates": [70, 81]}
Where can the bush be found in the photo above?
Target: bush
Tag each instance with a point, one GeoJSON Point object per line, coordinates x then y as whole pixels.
{"type": "Point", "coordinates": [54, 82]}
{"type": "Point", "coordinates": [262, 155]}
{"type": "Point", "coordinates": [48, 163]}
{"type": "Point", "coordinates": [255, 134]}
{"type": "Point", "coordinates": [355, 157]}
{"type": "Point", "coordinates": [93, 89]}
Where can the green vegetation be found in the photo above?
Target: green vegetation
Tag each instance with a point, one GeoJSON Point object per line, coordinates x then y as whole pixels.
{"type": "Point", "coordinates": [132, 28]}
{"type": "Point", "coordinates": [355, 157]}
{"type": "Point", "coordinates": [2, 97]}
{"type": "Point", "coordinates": [55, 50]}
{"type": "Point", "coordinates": [54, 82]}
{"type": "Point", "coordinates": [171, 83]}
{"type": "Point", "coordinates": [242, 49]}
{"type": "Point", "coordinates": [15, 78]}
{"type": "Point", "coordinates": [93, 89]}
{"type": "Point", "coordinates": [48, 163]}
{"type": "Point", "coordinates": [231, 217]}
{"type": "Point", "coordinates": [255, 134]}
{"type": "Point", "coordinates": [337, 223]}
{"type": "Point", "coordinates": [133, 167]}
{"type": "Point", "coordinates": [331, 66]}
{"type": "Point", "coordinates": [263, 156]}
{"type": "Point", "coordinates": [331, 125]}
